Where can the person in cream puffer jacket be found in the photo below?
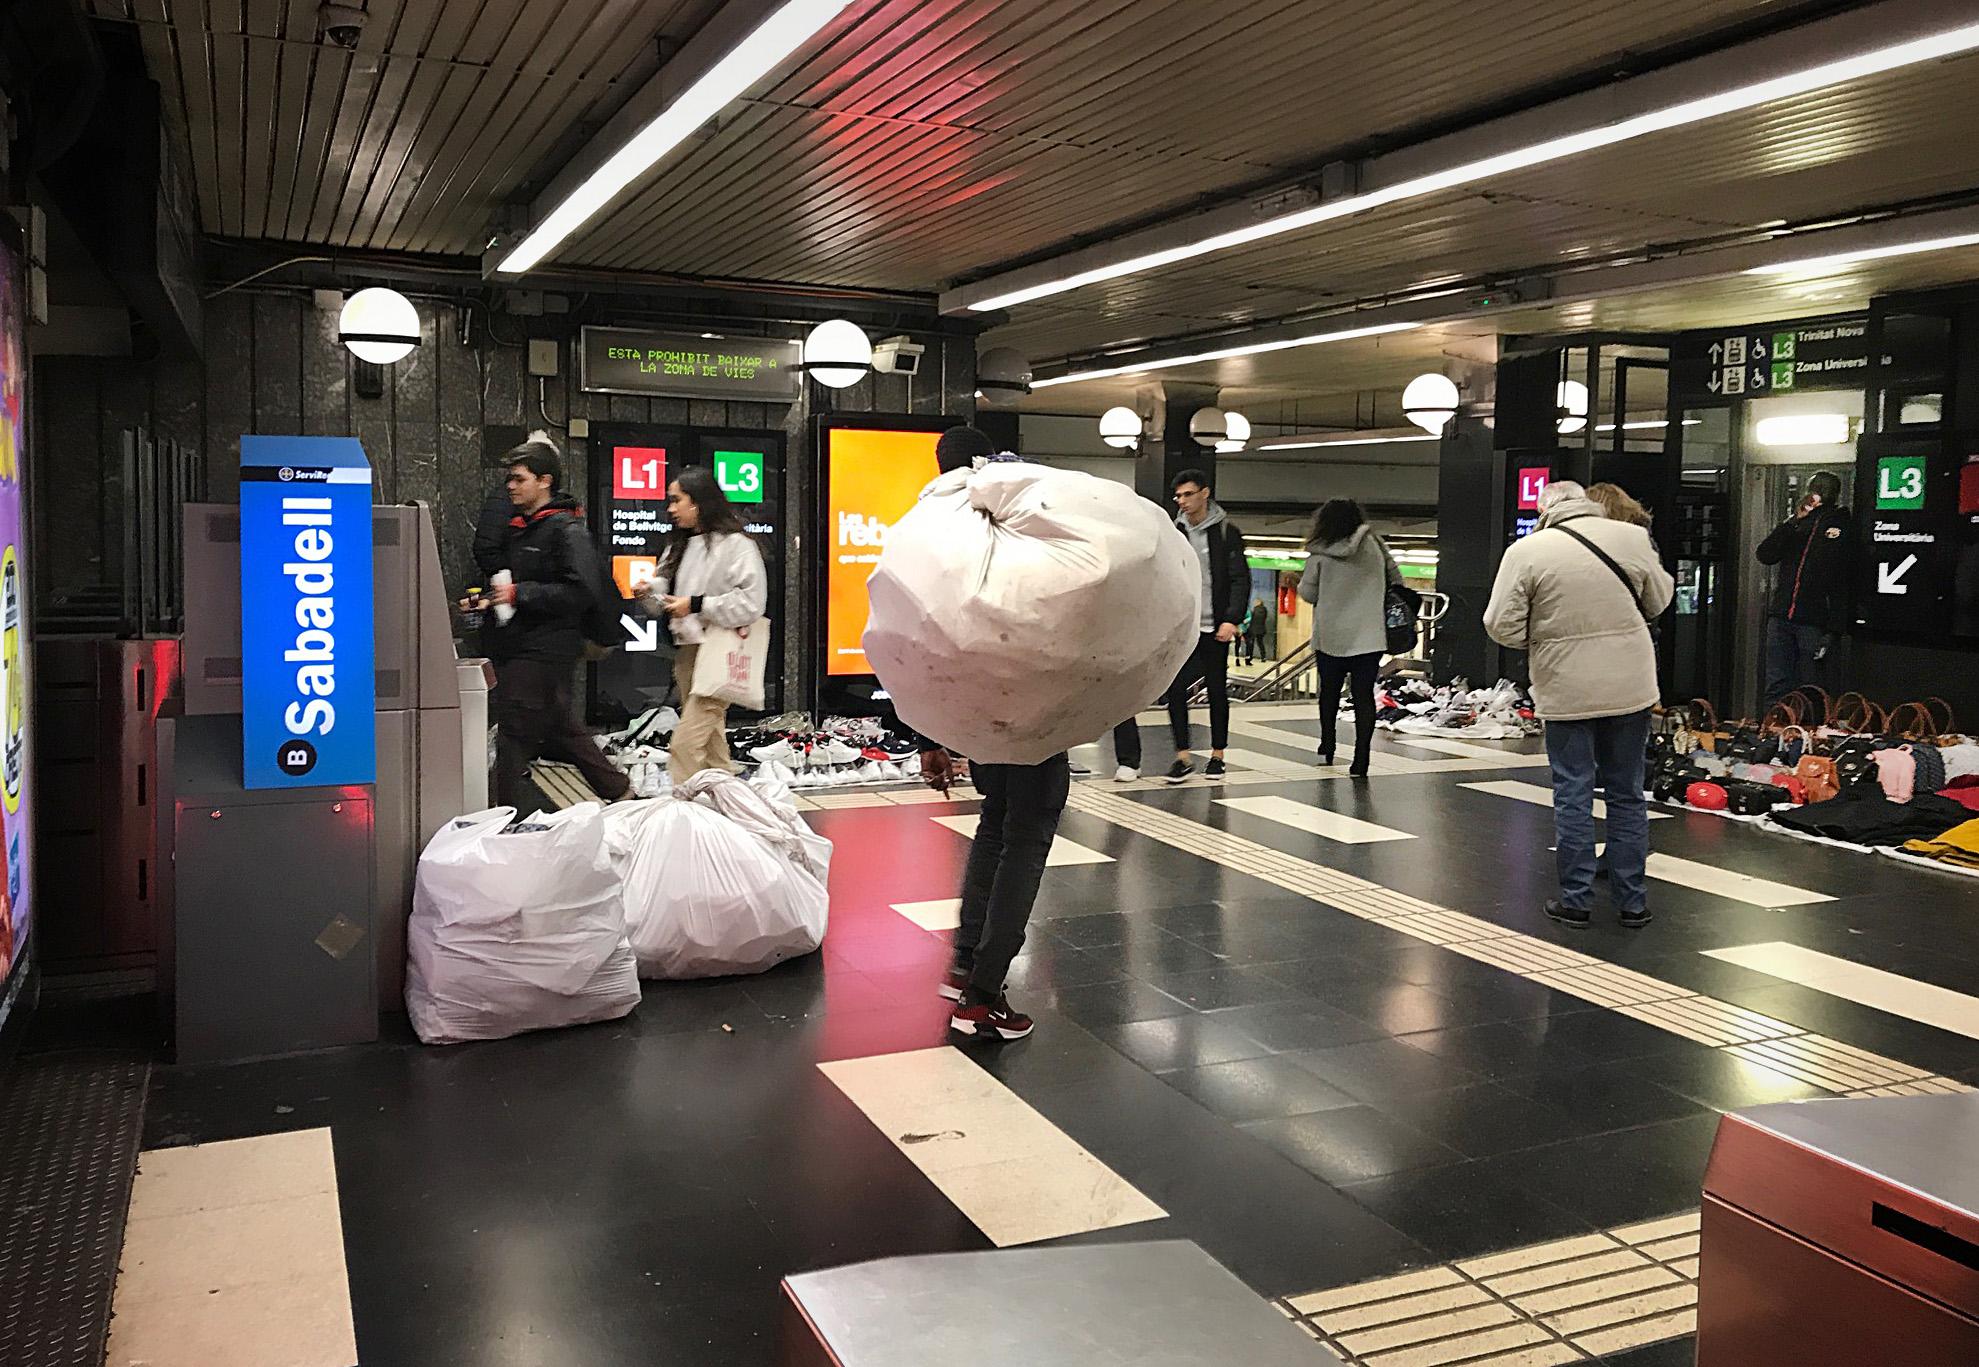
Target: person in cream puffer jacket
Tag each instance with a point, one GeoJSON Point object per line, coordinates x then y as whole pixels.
{"type": "Point", "coordinates": [1577, 595]}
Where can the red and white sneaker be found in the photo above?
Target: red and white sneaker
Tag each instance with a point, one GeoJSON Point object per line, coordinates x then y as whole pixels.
{"type": "Point", "coordinates": [991, 1020]}
{"type": "Point", "coordinates": [953, 986]}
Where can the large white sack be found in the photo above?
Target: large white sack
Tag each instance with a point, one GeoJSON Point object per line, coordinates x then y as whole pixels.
{"type": "Point", "coordinates": [516, 932]}
{"type": "Point", "coordinates": [1019, 610]}
{"type": "Point", "coordinates": [719, 880]}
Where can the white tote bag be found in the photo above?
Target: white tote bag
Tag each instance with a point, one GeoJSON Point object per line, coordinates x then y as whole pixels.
{"type": "Point", "coordinates": [729, 667]}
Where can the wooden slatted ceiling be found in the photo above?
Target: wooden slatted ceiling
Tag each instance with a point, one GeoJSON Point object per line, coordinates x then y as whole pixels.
{"type": "Point", "coordinates": [447, 109]}
{"type": "Point", "coordinates": [939, 138]}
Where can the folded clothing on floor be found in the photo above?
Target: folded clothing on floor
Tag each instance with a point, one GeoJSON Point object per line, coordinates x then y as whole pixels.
{"type": "Point", "coordinates": [1965, 795]}
{"type": "Point", "coordinates": [1959, 845]}
{"type": "Point", "coordinates": [1865, 816]}
{"type": "Point", "coordinates": [1961, 760]}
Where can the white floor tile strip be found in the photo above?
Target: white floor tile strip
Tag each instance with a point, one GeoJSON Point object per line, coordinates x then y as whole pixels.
{"type": "Point", "coordinates": [1503, 759]}
{"type": "Point", "coordinates": [1757, 1039]}
{"type": "Point", "coordinates": [1540, 796]}
{"type": "Point", "coordinates": [940, 915]}
{"type": "Point", "coordinates": [234, 1257]}
{"type": "Point", "coordinates": [1851, 981]}
{"type": "Point", "coordinates": [1304, 816]}
{"type": "Point", "coordinates": [1015, 1174]}
{"type": "Point", "coordinates": [1565, 1301]}
{"type": "Point", "coordinates": [1740, 887]}
{"type": "Point", "coordinates": [1063, 852]}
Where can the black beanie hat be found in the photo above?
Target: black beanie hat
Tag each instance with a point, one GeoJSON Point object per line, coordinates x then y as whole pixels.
{"type": "Point", "coordinates": [959, 446]}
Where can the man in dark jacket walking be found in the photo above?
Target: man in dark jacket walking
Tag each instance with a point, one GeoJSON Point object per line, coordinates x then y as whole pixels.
{"type": "Point", "coordinates": [1219, 546]}
{"type": "Point", "coordinates": [554, 565]}
{"type": "Point", "coordinates": [1810, 591]}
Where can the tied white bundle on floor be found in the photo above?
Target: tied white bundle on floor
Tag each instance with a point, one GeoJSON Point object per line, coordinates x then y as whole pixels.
{"type": "Point", "coordinates": [1019, 610]}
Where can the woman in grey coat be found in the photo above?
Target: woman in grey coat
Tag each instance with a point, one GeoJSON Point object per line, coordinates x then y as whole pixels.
{"type": "Point", "coordinates": [1348, 571]}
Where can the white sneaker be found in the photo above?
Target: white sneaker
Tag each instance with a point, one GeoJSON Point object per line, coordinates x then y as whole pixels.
{"type": "Point", "coordinates": [778, 753]}
{"type": "Point", "coordinates": [838, 752]}
{"type": "Point", "coordinates": [1125, 775]}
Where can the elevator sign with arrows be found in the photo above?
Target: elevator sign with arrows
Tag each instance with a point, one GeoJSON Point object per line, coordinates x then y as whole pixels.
{"type": "Point", "coordinates": [1782, 359]}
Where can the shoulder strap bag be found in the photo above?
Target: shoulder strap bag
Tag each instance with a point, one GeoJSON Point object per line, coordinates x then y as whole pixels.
{"type": "Point", "coordinates": [1619, 573]}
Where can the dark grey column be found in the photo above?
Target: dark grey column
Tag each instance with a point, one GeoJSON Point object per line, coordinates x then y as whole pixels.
{"type": "Point", "coordinates": [1166, 448]}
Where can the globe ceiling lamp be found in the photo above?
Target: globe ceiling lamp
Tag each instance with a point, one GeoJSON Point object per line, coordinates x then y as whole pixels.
{"type": "Point", "coordinates": [378, 325]}
{"type": "Point", "coordinates": [1120, 427]}
{"type": "Point", "coordinates": [1571, 400]}
{"type": "Point", "coordinates": [1236, 433]}
{"type": "Point", "coordinates": [1430, 401]}
{"type": "Point", "coordinates": [838, 354]}
{"type": "Point", "coordinates": [1208, 427]}
{"type": "Point", "coordinates": [1003, 377]}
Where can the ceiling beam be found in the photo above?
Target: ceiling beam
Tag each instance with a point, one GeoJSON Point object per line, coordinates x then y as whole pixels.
{"type": "Point", "coordinates": [1558, 286]}
{"type": "Point", "coordinates": [1375, 180]}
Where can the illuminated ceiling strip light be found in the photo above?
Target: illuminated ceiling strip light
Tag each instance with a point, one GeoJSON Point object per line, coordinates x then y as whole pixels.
{"type": "Point", "coordinates": [1947, 44]}
{"type": "Point", "coordinates": [1816, 264]}
{"type": "Point", "coordinates": [1253, 349]}
{"type": "Point", "coordinates": [788, 29]}
{"type": "Point", "coordinates": [1324, 442]}
{"type": "Point", "coordinates": [1646, 424]}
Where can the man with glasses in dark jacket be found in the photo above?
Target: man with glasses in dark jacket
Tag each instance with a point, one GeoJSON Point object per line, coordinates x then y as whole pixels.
{"type": "Point", "coordinates": [555, 576]}
{"type": "Point", "coordinates": [1226, 576]}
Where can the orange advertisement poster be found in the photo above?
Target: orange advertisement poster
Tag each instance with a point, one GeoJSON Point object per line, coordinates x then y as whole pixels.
{"type": "Point", "coordinates": [873, 479]}
{"type": "Point", "coordinates": [630, 572]}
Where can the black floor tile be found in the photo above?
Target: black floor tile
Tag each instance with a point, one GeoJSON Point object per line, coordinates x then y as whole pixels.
{"type": "Point", "coordinates": [1352, 1144]}
{"type": "Point", "coordinates": [1059, 965]}
{"type": "Point", "coordinates": [1607, 1036]}
{"type": "Point", "coordinates": [1611, 1096]}
{"type": "Point", "coordinates": [1155, 952]}
{"type": "Point", "coordinates": [1285, 1027]}
{"type": "Point", "coordinates": [1377, 1070]}
{"type": "Point", "coordinates": [1484, 1120]}
{"type": "Point", "coordinates": [1617, 1178]}
{"type": "Point", "coordinates": [1462, 1211]}
{"type": "Point", "coordinates": [1257, 1089]}
{"type": "Point", "coordinates": [1220, 988]}
{"type": "Point", "coordinates": [1114, 1003]}
{"type": "Point", "coordinates": [1723, 1081]}
{"type": "Point", "coordinates": [1502, 1048]}
{"type": "Point", "coordinates": [1177, 1042]}
{"type": "Point", "coordinates": [1093, 932]}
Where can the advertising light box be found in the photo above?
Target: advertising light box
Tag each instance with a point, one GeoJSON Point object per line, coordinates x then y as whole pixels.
{"type": "Point", "coordinates": [873, 474]}
{"type": "Point", "coordinates": [308, 695]}
{"type": "Point", "coordinates": [16, 804]}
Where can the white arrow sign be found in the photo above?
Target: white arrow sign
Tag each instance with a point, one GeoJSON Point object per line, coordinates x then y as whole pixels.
{"type": "Point", "coordinates": [645, 636]}
{"type": "Point", "coordinates": [1890, 579]}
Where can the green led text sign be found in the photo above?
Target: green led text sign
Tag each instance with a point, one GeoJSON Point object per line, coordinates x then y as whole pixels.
{"type": "Point", "coordinates": [686, 365]}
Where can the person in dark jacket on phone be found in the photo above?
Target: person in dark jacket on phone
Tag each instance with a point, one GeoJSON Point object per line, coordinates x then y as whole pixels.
{"type": "Point", "coordinates": [1810, 589]}
{"type": "Point", "coordinates": [555, 576]}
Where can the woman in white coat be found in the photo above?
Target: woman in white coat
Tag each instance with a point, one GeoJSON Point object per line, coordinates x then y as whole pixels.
{"type": "Point", "coordinates": [711, 575]}
{"type": "Point", "coordinates": [1348, 571]}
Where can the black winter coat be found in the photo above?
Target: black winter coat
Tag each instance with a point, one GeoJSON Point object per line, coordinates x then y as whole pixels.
{"type": "Point", "coordinates": [1813, 554]}
{"type": "Point", "coordinates": [555, 566]}
{"type": "Point", "coordinates": [1229, 573]}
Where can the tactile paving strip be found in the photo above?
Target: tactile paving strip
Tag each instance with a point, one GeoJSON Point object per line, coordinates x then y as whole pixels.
{"type": "Point", "coordinates": [69, 1131]}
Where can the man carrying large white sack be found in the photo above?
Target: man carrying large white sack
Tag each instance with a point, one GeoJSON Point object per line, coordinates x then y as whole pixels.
{"type": "Point", "coordinates": [1017, 611]}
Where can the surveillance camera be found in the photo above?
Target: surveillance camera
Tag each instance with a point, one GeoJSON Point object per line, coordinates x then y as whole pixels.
{"type": "Point", "coordinates": [341, 24]}
{"type": "Point", "coordinates": [897, 356]}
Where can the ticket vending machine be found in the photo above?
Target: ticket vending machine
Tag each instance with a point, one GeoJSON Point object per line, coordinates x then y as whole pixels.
{"type": "Point", "coordinates": [284, 907]}
{"type": "Point", "coordinates": [1843, 1233]}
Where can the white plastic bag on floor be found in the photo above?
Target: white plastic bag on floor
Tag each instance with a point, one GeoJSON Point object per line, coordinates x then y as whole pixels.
{"type": "Point", "coordinates": [1020, 610]}
{"type": "Point", "coordinates": [720, 878]}
{"type": "Point", "coordinates": [515, 932]}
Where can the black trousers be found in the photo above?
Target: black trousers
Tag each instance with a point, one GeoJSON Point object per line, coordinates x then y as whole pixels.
{"type": "Point", "coordinates": [1210, 661]}
{"type": "Point", "coordinates": [1021, 807]}
{"type": "Point", "coordinates": [1335, 670]}
{"type": "Point", "coordinates": [533, 711]}
{"type": "Point", "coordinates": [1127, 743]}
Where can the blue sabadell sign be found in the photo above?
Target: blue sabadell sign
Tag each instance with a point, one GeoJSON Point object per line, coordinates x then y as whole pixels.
{"type": "Point", "coordinates": [308, 701]}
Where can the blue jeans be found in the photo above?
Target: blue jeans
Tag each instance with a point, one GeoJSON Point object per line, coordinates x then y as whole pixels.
{"type": "Point", "coordinates": [1796, 654]}
{"type": "Point", "coordinates": [1609, 749]}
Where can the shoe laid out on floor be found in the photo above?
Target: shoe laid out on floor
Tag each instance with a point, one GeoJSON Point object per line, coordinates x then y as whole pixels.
{"type": "Point", "coordinates": [1181, 771]}
{"type": "Point", "coordinates": [1214, 769]}
{"type": "Point", "coordinates": [781, 752]}
{"type": "Point", "coordinates": [955, 984]}
{"type": "Point", "coordinates": [1124, 774]}
{"type": "Point", "coordinates": [1568, 916]}
{"type": "Point", "coordinates": [991, 1020]}
{"type": "Point", "coordinates": [1080, 770]}
{"type": "Point", "coordinates": [1636, 920]}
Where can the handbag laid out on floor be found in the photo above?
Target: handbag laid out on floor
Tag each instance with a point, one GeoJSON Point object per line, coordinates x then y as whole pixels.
{"type": "Point", "coordinates": [730, 664]}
